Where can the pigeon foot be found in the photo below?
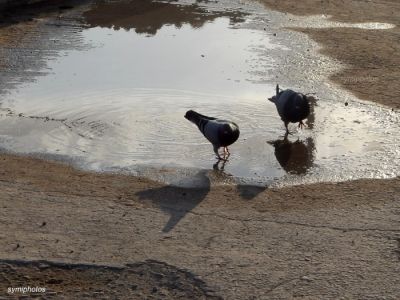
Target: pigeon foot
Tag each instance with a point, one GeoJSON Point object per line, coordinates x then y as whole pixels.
{"type": "Point", "coordinates": [301, 125]}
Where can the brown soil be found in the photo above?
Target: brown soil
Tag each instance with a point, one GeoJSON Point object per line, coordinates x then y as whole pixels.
{"type": "Point", "coordinates": [143, 280]}
{"type": "Point", "coordinates": [319, 241]}
{"type": "Point", "coordinates": [372, 56]}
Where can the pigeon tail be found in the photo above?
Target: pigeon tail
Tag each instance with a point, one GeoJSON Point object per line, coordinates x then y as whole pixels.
{"type": "Point", "coordinates": [273, 98]}
{"type": "Point", "coordinates": [195, 117]}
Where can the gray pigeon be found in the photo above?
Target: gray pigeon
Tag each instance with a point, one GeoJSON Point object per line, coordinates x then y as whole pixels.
{"type": "Point", "coordinates": [220, 133]}
{"type": "Point", "coordinates": [292, 107]}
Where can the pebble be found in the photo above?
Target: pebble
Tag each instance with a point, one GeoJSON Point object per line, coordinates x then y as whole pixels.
{"type": "Point", "coordinates": [43, 266]}
{"type": "Point", "coordinates": [306, 278]}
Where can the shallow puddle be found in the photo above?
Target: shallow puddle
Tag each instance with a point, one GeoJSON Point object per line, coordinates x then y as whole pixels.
{"type": "Point", "coordinates": [118, 105]}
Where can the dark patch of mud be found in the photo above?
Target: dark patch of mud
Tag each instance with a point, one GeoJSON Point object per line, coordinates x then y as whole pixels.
{"type": "Point", "coordinates": [143, 280]}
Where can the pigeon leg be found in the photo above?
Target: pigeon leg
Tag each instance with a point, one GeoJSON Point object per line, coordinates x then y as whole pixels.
{"type": "Point", "coordinates": [286, 126]}
{"type": "Point", "coordinates": [301, 125]}
{"type": "Point", "coordinates": [285, 138]}
{"type": "Point", "coordinates": [227, 150]}
{"type": "Point", "coordinates": [216, 152]}
{"type": "Point", "coordinates": [226, 153]}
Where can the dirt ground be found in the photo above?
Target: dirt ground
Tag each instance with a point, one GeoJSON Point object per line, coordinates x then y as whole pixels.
{"type": "Point", "coordinates": [372, 56]}
{"type": "Point", "coordinates": [89, 235]}
{"type": "Point", "coordinates": [322, 241]}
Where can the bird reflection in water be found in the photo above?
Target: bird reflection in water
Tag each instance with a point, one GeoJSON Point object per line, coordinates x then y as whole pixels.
{"type": "Point", "coordinates": [294, 157]}
{"type": "Point", "coordinates": [219, 166]}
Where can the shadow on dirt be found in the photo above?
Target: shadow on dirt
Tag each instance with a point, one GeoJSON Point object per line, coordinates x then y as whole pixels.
{"type": "Point", "coordinates": [140, 280]}
{"type": "Point", "coordinates": [177, 201]}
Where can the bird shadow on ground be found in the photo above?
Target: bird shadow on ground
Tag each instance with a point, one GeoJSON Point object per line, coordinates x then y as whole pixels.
{"type": "Point", "coordinates": [177, 201]}
{"type": "Point", "coordinates": [246, 191]}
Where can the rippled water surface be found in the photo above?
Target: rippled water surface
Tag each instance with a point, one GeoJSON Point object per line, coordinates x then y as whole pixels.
{"type": "Point", "coordinates": [119, 104]}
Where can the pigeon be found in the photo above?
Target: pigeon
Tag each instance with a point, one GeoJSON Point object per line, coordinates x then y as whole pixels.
{"type": "Point", "coordinates": [220, 133]}
{"type": "Point", "coordinates": [292, 107]}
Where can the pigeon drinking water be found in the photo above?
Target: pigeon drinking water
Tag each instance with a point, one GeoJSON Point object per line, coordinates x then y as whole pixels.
{"type": "Point", "coordinates": [220, 133]}
{"type": "Point", "coordinates": [292, 107]}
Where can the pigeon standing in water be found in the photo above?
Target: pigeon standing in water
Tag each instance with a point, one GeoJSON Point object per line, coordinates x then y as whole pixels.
{"type": "Point", "coordinates": [292, 107]}
{"type": "Point", "coordinates": [220, 133]}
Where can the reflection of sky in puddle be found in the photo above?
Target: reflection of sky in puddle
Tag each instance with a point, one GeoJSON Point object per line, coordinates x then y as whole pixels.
{"type": "Point", "coordinates": [122, 103]}
{"type": "Point", "coordinates": [212, 60]}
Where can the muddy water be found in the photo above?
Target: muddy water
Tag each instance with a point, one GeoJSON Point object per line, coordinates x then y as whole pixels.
{"type": "Point", "coordinates": [118, 104]}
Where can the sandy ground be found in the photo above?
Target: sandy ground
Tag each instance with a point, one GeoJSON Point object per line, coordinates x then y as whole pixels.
{"type": "Point", "coordinates": [372, 56]}
{"type": "Point", "coordinates": [82, 234]}
{"type": "Point", "coordinates": [314, 242]}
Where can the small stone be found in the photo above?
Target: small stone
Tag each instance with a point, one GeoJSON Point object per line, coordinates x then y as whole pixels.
{"type": "Point", "coordinates": [43, 266]}
{"type": "Point", "coordinates": [54, 281]}
{"type": "Point", "coordinates": [306, 278]}
{"type": "Point", "coordinates": [53, 293]}
{"type": "Point", "coordinates": [346, 103]}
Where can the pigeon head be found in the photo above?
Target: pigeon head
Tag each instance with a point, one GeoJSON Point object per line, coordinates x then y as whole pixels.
{"type": "Point", "coordinates": [190, 115]}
